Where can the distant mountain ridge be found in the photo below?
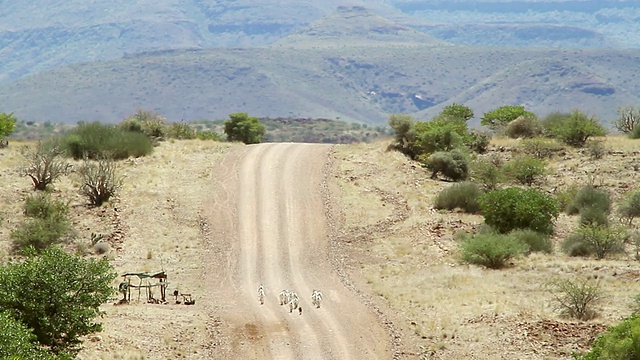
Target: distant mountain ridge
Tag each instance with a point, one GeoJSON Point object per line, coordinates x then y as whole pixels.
{"type": "Point", "coordinates": [355, 60]}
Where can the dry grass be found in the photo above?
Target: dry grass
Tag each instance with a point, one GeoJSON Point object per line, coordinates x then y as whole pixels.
{"type": "Point", "coordinates": [455, 310]}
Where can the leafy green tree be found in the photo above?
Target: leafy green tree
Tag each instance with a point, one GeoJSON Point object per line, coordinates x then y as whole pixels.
{"type": "Point", "coordinates": [244, 128]}
{"type": "Point", "coordinates": [621, 341]}
{"type": "Point", "coordinates": [457, 112]}
{"type": "Point", "coordinates": [57, 294]}
{"type": "Point", "coordinates": [516, 208]}
{"type": "Point", "coordinates": [500, 117]}
{"type": "Point", "coordinates": [17, 341]}
{"type": "Point", "coordinates": [7, 124]}
{"type": "Point", "coordinates": [440, 134]}
{"type": "Point", "coordinates": [575, 129]}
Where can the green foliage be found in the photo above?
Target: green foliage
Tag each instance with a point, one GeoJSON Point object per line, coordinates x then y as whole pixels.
{"type": "Point", "coordinates": [146, 122]}
{"type": "Point", "coordinates": [575, 298]}
{"type": "Point", "coordinates": [244, 128]}
{"type": "Point", "coordinates": [488, 172]}
{"type": "Point", "coordinates": [47, 223]}
{"type": "Point", "coordinates": [491, 250]}
{"type": "Point", "coordinates": [500, 117]}
{"type": "Point", "coordinates": [576, 128]}
{"type": "Point", "coordinates": [462, 196]}
{"type": "Point", "coordinates": [587, 197]}
{"type": "Point", "coordinates": [628, 119]}
{"type": "Point", "coordinates": [540, 148]}
{"type": "Point", "coordinates": [523, 127]}
{"type": "Point", "coordinates": [208, 135]}
{"type": "Point", "coordinates": [621, 341]}
{"type": "Point", "coordinates": [57, 295]}
{"type": "Point", "coordinates": [535, 241]}
{"type": "Point", "coordinates": [457, 112]}
{"type": "Point", "coordinates": [566, 196]}
{"type": "Point", "coordinates": [525, 169]}
{"type": "Point", "coordinates": [594, 215]}
{"type": "Point", "coordinates": [100, 180]}
{"type": "Point", "coordinates": [17, 341]}
{"type": "Point", "coordinates": [181, 131]}
{"type": "Point", "coordinates": [453, 165]}
{"type": "Point", "coordinates": [405, 135]}
{"type": "Point", "coordinates": [594, 240]}
{"type": "Point", "coordinates": [515, 208]}
{"type": "Point", "coordinates": [7, 124]}
{"type": "Point", "coordinates": [629, 209]}
{"type": "Point", "coordinates": [95, 140]}
{"type": "Point", "coordinates": [440, 134]}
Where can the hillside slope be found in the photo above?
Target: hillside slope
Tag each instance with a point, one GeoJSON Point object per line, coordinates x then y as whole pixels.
{"type": "Point", "coordinates": [362, 84]}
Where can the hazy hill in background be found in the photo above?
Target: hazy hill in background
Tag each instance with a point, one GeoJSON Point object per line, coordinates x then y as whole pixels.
{"type": "Point", "coordinates": [353, 60]}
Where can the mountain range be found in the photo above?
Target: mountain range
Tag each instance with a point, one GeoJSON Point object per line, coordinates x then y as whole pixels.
{"type": "Point", "coordinates": [359, 61]}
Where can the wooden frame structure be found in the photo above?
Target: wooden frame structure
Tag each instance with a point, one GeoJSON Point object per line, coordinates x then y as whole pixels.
{"type": "Point", "coordinates": [144, 282]}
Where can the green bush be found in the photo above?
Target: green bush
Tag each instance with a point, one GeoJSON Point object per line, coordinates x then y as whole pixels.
{"type": "Point", "coordinates": [502, 116]}
{"type": "Point", "coordinates": [491, 250]}
{"type": "Point", "coordinates": [589, 197]}
{"type": "Point", "coordinates": [540, 148]}
{"type": "Point", "coordinates": [181, 131]}
{"type": "Point", "coordinates": [453, 165]}
{"type": "Point", "coordinates": [95, 140]}
{"type": "Point", "coordinates": [47, 223]}
{"type": "Point", "coordinates": [488, 172]}
{"type": "Point", "coordinates": [635, 133]}
{"type": "Point", "coordinates": [244, 128]}
{"type": "Point", "coordinates": [208, 135]}
{"type": "Point", "coordinates": [17, 341]}
{"type": "Point", "coordinates": [525, 169]}
{"type": "Point", "coordinates": [405, 135]}
{"type": "Point", "coordinates": [42, 206]}
{"type": "Point", "coordinates": [440, 134]}
{"type": "Point", "coordinates": [621, 341]}
{"type": "Point", "coordinates": [594, 215]}
{"type": "Point", "coordinates": [576, 128]}
{"type": "Point", "coordinates": [565, 197]}
{"type": "Point", "coordinates": [57, 295]}
{"type": "Point", "coordinates": [523, 127]}
{"type": "Point", "coordinates": [536, 241]}
{"type": "Point", "coordinates": [630, 207]}
{"type": "Point", "coordinates": [594, 240]}
{"type": "Point", "coordinates": [515, 208]}
{"type": "Point", "coordinates": [462, 196]}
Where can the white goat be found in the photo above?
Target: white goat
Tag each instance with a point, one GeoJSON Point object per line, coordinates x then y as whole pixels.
{"type": "Point", "coordinates": [316, 298]}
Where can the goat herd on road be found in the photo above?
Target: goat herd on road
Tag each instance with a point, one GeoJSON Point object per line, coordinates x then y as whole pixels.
{"type": "Point", "coordinates": [291, 298]}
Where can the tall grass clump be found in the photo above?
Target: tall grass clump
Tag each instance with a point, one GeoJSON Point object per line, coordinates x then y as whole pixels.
{"type": "Point", "coordinates": [96, 141]}
{"type": "Point", "coordinates": [462, 195]}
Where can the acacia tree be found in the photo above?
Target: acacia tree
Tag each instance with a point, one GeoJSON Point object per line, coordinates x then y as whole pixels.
{"type": "Point", "coordinates": [7, 125]}
{"type": "Point", "coordinates": [46, 164]}
{"type": "Point", "coordinates": [56, 294]}
{"type": "Point", "coordinates": [244, 128]}
{"type": "Point", "coordinates": [457, 112]}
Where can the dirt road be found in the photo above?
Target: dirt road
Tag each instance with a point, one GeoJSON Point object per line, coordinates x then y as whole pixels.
{"type": "Point", "coordinates": [268, 226]}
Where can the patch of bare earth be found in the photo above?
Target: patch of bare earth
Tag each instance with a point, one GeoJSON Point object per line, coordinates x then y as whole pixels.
{"type": "Point", "coordinates": [395, 245]}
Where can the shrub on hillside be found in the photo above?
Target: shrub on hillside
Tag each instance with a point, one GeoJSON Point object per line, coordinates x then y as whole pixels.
{"type": "Point", "coordinates": [488, 172]}
{"type": "Point", "coordinates": [148, 123]}
{"type": "Point", "coordinates": [180, 131]}
{"type": "Point", "coordinates": [594, 240]}
{"type": "Point", "coordinates": [535, 241]}
{"type": "Point", "coordinates": [589, 197]}
{"type": "Point", "coordinates": [47, 223]}
{"type": "Point", "coordinates": [541, 148]}
{"type": "Point", "coordinates": [576, 128]}
{"type": "Point", "coordinates": [440, 134]}
{"type": "Point", "coordinates": [461, 196]}
{"type": "Point", "coordinates": [478, 142]}
{"type": "Point", "coordinates": [594, 215]}
{"type": "Point", "coordinates": [208, 135]}
{"type": "Point", "coordinates": [95, 140]}
{"type": "Point", "coordinates": [621, 341]}
{"type": "Point", "coordinates": [523, 127]}
{"type": "Point", "coordinates": [596, 149]}
{"type": "Point", "coordinates": [629, 209]}
{"type": "Point", "coordinates": [635, 133]}
{"type": "Point", "coordinates": [491, 250]}
{"type": "Point", "coordinates": [525, 169]}
{"type": "Point", "coordinates": [453, 165]}
{"type": "Point", "coordinates": [515, 208]}
{"type": "Point", "coordinates": [575, 298]}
